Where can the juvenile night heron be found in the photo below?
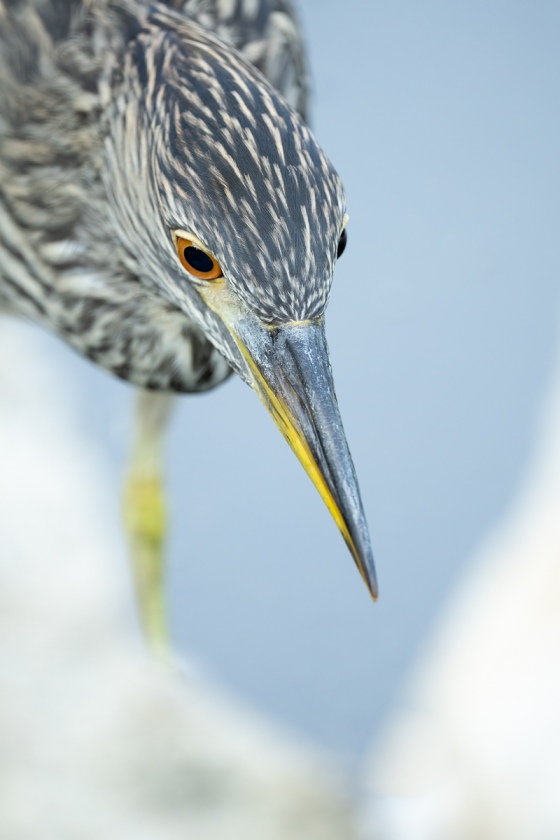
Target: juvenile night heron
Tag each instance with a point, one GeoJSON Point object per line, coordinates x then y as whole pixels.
{"type": "Point", "coordinates": [166, 211]}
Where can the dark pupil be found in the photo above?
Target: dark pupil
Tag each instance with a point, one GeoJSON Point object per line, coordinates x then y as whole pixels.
{"type": "Point", "coordinates": [342, 243]}
{"type": "Point", "coordinates": [198, 260]}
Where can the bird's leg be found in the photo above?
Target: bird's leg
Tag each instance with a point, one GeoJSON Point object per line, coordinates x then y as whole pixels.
{"type": "Point", "coordinates": [145, 513]}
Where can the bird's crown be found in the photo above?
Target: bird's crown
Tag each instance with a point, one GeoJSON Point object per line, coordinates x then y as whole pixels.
{"type": "Point", "coordinates": [236, 166]}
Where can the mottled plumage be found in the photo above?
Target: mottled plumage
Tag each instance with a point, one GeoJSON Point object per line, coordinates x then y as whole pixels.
{"type": "Point", "coordinates": [127, 127]}
{"type": "Point", "coordinates": [66, 69]}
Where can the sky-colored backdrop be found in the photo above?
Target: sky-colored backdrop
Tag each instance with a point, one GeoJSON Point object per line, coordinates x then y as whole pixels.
{"type": "Point", "coordinates": [443, 120]}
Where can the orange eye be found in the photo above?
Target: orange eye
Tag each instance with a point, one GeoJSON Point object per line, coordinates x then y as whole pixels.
{"type": "Point", "coordinates": [196, 261]}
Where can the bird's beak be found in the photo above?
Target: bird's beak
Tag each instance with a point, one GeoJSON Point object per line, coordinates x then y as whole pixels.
{"type": "Point", "coordinates": [292, 376]}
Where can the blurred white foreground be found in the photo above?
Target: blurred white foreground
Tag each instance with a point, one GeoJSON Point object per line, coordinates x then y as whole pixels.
{"type": "Point", "coordinates": [473, 753]}
{"type": "Point", "coordinates": [96, 741]}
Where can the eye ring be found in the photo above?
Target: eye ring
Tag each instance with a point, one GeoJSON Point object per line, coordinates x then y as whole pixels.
{"type": "Point", "coordinates": [196, 260]}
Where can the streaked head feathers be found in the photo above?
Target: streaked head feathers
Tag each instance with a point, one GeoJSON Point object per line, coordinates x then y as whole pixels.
{"type": "Point", "coordinates": [237, 166]}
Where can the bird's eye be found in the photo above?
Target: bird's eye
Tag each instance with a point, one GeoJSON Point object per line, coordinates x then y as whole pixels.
{"type": "Point", "coordinates": [196, 261]}
{"type": "Point", "coordinates": [342, 243]}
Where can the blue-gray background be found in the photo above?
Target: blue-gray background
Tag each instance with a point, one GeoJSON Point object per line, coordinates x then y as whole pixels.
{"type": "Point", "coordinates": [443, 121]}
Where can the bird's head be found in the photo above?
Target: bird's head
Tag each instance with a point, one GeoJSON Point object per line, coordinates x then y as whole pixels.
{"type": "Point", "coordinates": [235, 214]}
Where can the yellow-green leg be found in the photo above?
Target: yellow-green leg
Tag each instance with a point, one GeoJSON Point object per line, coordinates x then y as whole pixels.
{"type": "Point", "coordinates": [145, 514]}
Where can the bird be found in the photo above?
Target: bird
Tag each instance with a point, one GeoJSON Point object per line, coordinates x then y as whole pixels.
{"type": "Point", "coordinates": [166, 211]}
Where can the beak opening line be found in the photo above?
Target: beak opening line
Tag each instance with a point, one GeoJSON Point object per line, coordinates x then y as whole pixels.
{"type": "Point", "coordinates": [291, 375]}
